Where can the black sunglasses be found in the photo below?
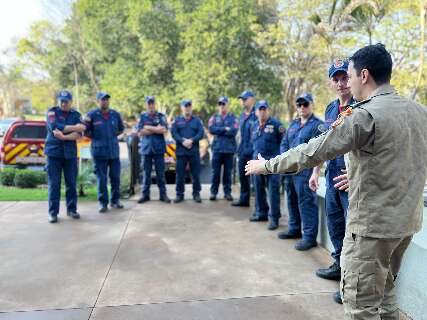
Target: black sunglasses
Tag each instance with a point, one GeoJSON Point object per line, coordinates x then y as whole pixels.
{"type": "Point", "coordinates": [221, 103]}
{"type": "Point", "coordinates": [303, 104]}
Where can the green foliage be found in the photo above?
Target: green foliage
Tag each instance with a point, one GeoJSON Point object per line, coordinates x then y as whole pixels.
{"type": "Point", "coordinates": [85, 178]}
{"type": "Point", "coordinates": [27, 178]}
{"type": "Point", "coordinates": [124, 184]}
{"type": "Point", "coordinates": [7, 176]}
{"type": "Point", "coordinates": [201, 49]}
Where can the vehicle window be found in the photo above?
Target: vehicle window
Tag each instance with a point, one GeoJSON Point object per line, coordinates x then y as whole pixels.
{"type": "Point", "coordinates": [29, 132]}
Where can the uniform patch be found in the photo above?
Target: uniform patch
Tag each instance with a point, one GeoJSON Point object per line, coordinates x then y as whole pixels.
{"type": "Point", "coordinates": [341, 117]}
{"type": "Point", "coordinates": [338, 63]}
{"type": "Point", "coordinates": [281, 129]}
{"type": "Point", "coordinates": [322, 128]}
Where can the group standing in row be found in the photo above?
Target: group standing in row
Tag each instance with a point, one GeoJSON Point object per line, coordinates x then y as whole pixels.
{"type": "Point", "coordinates": [261, 136]}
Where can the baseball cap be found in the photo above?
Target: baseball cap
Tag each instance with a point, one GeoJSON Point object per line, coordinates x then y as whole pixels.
{"type": "Point", "coordinates": [246, 94]}
{"type": "Point", "coordinates": [223, 99]}
{"type": "Point", "coordinates": [149, 99]}
{"type": "Point", "coordinates": [102, 95]}
{"type": "Point", "coordinates": [64, 95]}
{"type": "Point", "coordinates": [186, 102]}
{"type": "Point", "coordinates": [337, 66]}
{"type": "Point", "coordinates": [307, 97]}
{"type": "Point", "coordinates": [261, 104]}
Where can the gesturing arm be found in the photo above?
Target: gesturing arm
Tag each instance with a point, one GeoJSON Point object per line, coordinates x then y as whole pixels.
{"type": "Point", "coordinates": [354, 132]}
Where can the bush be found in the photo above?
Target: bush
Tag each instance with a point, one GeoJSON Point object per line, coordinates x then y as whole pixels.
{"type": "Point", "coordinates": [125, 184]}
{"type": "Point", "coordinates": [7, 176]}
{"type": "Point", "coordinates": [85, 178]}
{"type": "Point", "coordinates": [26, 178]}
{"type": "Point", "coordinates": [41, 177]}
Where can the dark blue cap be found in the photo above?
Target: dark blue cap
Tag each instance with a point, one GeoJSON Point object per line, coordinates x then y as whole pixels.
{"type": "Point", "coordinates": [186, 102]}
{"type": "Point", "coordinates": [307, 97]}
{"type": "Point", "coordinates": [102, 95]}
{"type": "Point", "coordinates": [246, 94]}
{"type": "Point", "coordinates": [337, 66]}
{"type": "Point", "coordinates": [261, 104]}
{"type": "Point", "coordinates": [149, 99]}
{"type": "Point", "coordinates": [64, 95]}
{"type": "Point", "coordinates": [223, 99]}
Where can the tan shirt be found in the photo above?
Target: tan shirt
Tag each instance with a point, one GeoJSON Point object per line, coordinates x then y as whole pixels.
{"type": "Point", "coordinates": [386, 137]}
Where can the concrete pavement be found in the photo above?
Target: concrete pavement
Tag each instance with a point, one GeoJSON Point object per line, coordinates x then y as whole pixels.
{"type": "Point", "coordinates": [156, 261]}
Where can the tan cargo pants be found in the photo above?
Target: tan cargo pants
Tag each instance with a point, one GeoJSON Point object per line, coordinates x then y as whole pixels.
{"type": "Point", "coordinates": [369, 269]}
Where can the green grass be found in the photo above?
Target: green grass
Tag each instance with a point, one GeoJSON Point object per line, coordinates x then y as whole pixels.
{"type": "Point", "coordinates": [38, 194]}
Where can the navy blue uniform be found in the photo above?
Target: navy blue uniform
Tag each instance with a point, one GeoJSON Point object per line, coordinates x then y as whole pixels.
{"type": "Point", "coordinates": [61, 158]}
{"type": "Point", "coordinates": [266, 141]}
{"type": "Point", "coordinates": [153, 148]}
{"type": "Point", "coordinates": [245, 153]}
{"type": "Point", "coordinates": [191, 128]}
{"type": "Point", "coordinates": [104, 128]}
{"type": "Point", "coordinates": [223, 148]}
{"type": "Point", "coordinates": [336, 201]}
{"type": "Point", "coordinates": [302, 201]}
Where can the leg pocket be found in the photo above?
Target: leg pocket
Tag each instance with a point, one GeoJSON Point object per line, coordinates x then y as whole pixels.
{"type": "Point", "coordinates": [359, 282]}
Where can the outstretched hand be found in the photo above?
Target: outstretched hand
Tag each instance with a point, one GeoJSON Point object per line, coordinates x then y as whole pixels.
{"type": "Point", "coordinates": [255, 166]}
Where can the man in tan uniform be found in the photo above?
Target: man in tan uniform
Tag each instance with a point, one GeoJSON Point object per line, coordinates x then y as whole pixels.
{"type": "Point", "coordinates": [385, 135]}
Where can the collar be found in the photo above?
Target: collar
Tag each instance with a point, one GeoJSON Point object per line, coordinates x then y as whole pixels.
{"type": "Point", "coordinates": [382, 90]}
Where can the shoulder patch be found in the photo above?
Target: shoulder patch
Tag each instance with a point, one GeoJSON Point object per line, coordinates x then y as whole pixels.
{"type": "Point", "coordinates": [341, 117]}
{"type": "Point", "coordinates": [322, 128]}
{"type": "Point", "coordinates": [281, 129]}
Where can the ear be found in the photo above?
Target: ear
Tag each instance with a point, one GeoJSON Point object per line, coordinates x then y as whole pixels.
{"type": "Point", "coordinates": [364, 75]}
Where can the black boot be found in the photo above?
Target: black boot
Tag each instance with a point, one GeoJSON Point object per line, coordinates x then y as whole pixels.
{"type": "Point", "coordinates": [178, 199]}
{"type": "Point", "coordinates": [331, 273]}
{"type": "Point", "coordinates": [165, 199]}
{"type": "Point", "coordinates": [143, 199]}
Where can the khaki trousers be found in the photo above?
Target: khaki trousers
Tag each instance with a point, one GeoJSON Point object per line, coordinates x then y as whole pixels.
{"type": "Point", "coordinates": [369, 269]}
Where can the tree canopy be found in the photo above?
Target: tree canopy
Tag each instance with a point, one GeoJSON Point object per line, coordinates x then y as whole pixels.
{"type": "Point", "coordinates": [202, 49]}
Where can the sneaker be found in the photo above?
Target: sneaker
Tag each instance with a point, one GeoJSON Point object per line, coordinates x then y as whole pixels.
{"type": "Point", "coordinates": [117, 205]}
{"type": "Point", "coordinates": [197, 199]}
{"type": "Point", "coordinates": [212, 197]}
{"type": "Point", "coordinates": [52, 218]}
{"type": "Point", "coordinates": [331, 273]}
{"type": "Point", "coordinates": [103, 209]}
{"type": "Point", "coordinates": [73, 214]}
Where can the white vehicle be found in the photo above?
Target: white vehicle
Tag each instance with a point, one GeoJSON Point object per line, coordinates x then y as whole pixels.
{"type": "Point", "coordinates": [5, 124]}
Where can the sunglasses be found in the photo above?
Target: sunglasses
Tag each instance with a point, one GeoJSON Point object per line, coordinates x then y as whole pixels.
{"type": "Point", "coordinates": [221, 103]}
{"type": "Point", "coordinates": [187, 105]}
{"type": "Point", "coordinates": [304, 104]}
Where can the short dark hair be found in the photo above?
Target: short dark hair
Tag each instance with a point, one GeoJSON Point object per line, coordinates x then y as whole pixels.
{"type": "Point", "coordinates": [376, 59]}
